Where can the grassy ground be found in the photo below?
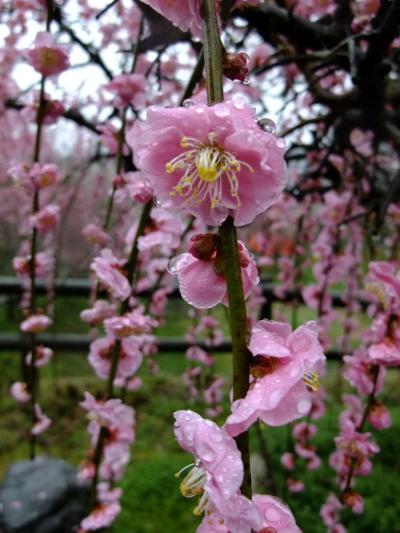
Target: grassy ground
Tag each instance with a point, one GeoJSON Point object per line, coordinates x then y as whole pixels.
{"type": "Point", "coordinates": [152, 502]}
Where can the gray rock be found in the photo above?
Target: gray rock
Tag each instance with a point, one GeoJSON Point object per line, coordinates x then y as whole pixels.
{"type": "Point", "coordinates": [42, 496]}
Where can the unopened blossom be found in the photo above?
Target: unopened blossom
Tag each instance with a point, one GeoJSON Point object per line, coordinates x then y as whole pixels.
{"type": "Point", "coordinates": [285, 368]}
{"type": "Point", "coordinates": [42, 422]}
{"type": "Point", "coordinates": [275, 515]}
{"type": "Point", "coordinates": [287, 461]}
{"type": "Point", "coordinates": [46, 219]}
{"type": "Point", "coordinates": [42, 356]}
{"type": "Point", "coordinates": [202, 282]}
{"type": "Point", "coordinates": [132, 323]}
{"type": "Point", "coordinates": [294, 485]}
{"type": "Point", "coordinates": [102, 351]}
{"type": "Point", "coordinates": [20, 392]}
{"type": "Point", "coordinates": [35, 324]}
{"type": "Point", "coordinates": [95, 235]}
{"type": "Point", "coordinates": [212, 161]}
{"type": "Point", "coordinates": [46, 57]}
{"type": "Point", "coordinates": [101, 310]}
{"type": "Point", "coordinates": [109, 271]}
{"type": "Point", "coordinates": [128, 89]}
{"type": "Point", "coordinates": [217, 474]}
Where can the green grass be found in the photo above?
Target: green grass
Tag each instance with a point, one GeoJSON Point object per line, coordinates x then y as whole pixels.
{"type": "Point", "coordinates": [151, 501]}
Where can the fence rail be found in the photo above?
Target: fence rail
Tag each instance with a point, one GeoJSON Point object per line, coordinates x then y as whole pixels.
{"type": "Point", "coordinates": [75, 287]}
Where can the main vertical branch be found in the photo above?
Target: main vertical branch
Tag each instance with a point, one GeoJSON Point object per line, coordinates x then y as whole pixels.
{"type": "Point", "coordinates": [237, 306]}
{"type": "Point", "coordinates": [212, 52]}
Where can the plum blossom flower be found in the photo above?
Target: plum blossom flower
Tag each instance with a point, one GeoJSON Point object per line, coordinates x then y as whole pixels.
{"type": "Point", "coordinates": [101, 354]}
{"type": "Point", "coordinates": [103, 515]}
{"type": "Point", "coordinates": [109, 271]}
{"type": "Point", "coordinates": [98, 313]}
{"type": "Point", "coordinates": [42, 356]}
{"type": "Point", "coordinates": [128, 89]}
{"type": "Point", "coordinates": [133, 323]}
{"type": "Point", "coordinates": [379, 416]}
{"type": "Point", "coordinates": [214, 161]}
{"type": "Point", "coordinates": [360, 371]}
{"type": "Point", "coordinates": [46, 57]}
{"type": "Point", "coordinates": [42, 422]}
{"type": "Point", "coordinates": [285, 372]}
{"type": "Point", "coordinates": [384, 282]}
{"type": "Point", "coordinates": [95, 235]}
{"type": "Point", "coordinates": [20, 392]}
{"type": "Point", "coordinates": [216, 475]}
{"type": "Point", "coordinates": [202, 282]}
{"type": "Point", "coordinates": [35, 324]}
{"type": "Point", "coordinates": [46, 219]}
{"type": "Point", "coordinates": [275, 515]}
{"type": "Point", "coordinates": [43, 265]}
{"type": "Point", "coordinates": [195, 353]}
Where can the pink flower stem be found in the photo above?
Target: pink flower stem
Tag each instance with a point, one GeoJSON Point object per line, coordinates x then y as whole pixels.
{"type": "Point", "coordinates": [239, 334]}
{"type": "Point", "coordinates": [227, 232]}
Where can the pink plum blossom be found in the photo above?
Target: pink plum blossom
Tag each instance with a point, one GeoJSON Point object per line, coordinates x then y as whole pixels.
{"type": "Point", "coordinates": [95, 235]}
{"type": "Point", "coordinates": [129, 89]}
{"type": "Point", "coordinates": [42, 422]}
{"type": "Point", "coordinates": [360, 372]}
{"type": "Point", "coordinates": [46, 219]}
{"type": "Point", "coordinates": [46, 57]}
{"type": "Point", "coordinates": [103, 515]}
{"type": "Point", "coordinates": [43, 265]}
{"type": "Point", "coordinates": [195, 353]}
{"type": "Point", "coordinates": [275, 515]}
{"type": "Point", "coordinates": [379, 416]}
{"type": "Point", "coordinates": [285, 367]}
{"type": "Point", "coordinates": [42, 356]}
{"type": "Point", "coordinates": [132, 323]}
{"type": "Point", "coordinates": [98, 313]}
{"type": "Point", "coordinates": [19, 391]}
{"type": "Point", "coordinates": [109, 271]}
{"type": "Point", "coordinates": [214, 161]}
{"type": "Point", "coordinates": [102, 351]}
{"type": "Point", "coordinates": [35, 324]}
{"type": "Point", "coordinates": [201, 281]}
{"type": "Point", "coordinates": [217, 474]}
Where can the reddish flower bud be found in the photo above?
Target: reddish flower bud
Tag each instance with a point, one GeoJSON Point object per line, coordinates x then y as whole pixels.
{"type": "Point", "coordinates": [204, 245]}
{"type": "Point", "coordinates": [234, 66]}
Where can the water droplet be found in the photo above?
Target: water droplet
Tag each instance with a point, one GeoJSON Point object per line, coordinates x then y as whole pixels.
{"type": "Point", "coordinates": [303, 406]}
{"type": "Point", "coordinates": [280, 143]}
{"type": "Point", "coordinates": [246, 81]}
{"type": "Point", "coordinates": [173, 264]}
{"type": "Point", "coordinates": [156, 202]}
{"type": "Point", "coordinates": [267, 125]}
{"type": "Point", "coordinates": [189, 103]}
{"type": "Point", "coordinates": [221, 110]}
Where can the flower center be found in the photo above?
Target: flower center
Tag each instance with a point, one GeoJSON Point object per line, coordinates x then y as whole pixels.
{"type": "Point", "coordinates": [311, 380]}
{"type": "Point", "coordinates": [204, 166]}
{"type": "Point", "coordinates": [193, 485]}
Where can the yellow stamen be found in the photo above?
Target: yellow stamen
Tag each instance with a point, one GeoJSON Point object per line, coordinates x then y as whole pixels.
{"type": "Point", "coordinates": [311, 379]}
{"type": "Point", "coordinates": [204, 166]}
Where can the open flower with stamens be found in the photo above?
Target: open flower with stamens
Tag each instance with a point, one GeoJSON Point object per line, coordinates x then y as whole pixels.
{"type": "Point", "coordinates": [213, 161]}
{"type": "Point", "coordinates": [217, 473]}
{"type": "Point", "coordinates": [285, 370]}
